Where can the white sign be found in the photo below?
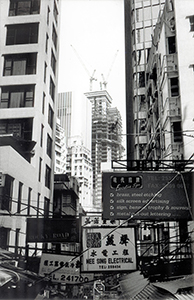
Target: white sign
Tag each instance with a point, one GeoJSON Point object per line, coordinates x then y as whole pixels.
{"type": "Point", "coordinates": [108, 250]}
{"type": "Point", "coordinates": [97, 221]}
{"type": "Point", "coordinates": [62, 268]}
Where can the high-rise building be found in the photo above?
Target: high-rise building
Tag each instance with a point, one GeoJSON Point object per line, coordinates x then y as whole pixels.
{"type": "Point", "coordinates": [79, 165]}
{"type": "Point", "coordinates": [28, 65]}
{"type": "Point", "coordinates": [106, 138]}
{"type": "Point", "coordinates": [74, 112]}
{"type": "Point", "coordinates": [140, 20]}
{"type": "Point", "coordinates": [162, 113]}
{"type": "Point", "coordinates": [160, 103]}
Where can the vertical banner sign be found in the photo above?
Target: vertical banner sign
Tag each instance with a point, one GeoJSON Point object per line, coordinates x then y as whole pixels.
{"type": "Point", "coordinates": [125, 193]}
{"type": "Point", "coordinates": [104, 252]}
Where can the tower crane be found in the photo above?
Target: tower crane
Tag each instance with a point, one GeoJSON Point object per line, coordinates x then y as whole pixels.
{"type": "Point", "coordinates": [91, 76]}
{"type": "Point", "coordinates": [105, 82]}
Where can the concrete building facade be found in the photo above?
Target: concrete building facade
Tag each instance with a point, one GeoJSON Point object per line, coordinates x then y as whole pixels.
{"type": "Point", "coordinates": [28, 82]}
{"type": "Point", "coordinates": [140, 19]}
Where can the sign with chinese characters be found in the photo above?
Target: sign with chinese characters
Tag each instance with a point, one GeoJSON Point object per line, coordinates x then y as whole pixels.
{"type": "Point", "coordinates": [106, 250]}
{"type": "Point", "coordinates": [97, 221]}
{"type": "Point", "coordinates": [63, 269]}
{"type": "Point", "coordinates": [52, 230]}
{"type": "Point", "coordinates": [125, 193]}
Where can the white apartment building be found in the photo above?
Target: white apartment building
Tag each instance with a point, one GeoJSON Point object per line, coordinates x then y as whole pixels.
{"type": "Point", "coordinates": [79, 165]}
{"type": "Point", "coordinates": [28, 81]}
{"type": "Point", "coordinates": [60, 149]}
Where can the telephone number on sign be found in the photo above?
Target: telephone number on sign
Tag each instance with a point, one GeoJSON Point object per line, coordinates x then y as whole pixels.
{"type": "Point", "coordinates": [69, 278]}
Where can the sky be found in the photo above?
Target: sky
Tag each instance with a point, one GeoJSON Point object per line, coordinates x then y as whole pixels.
{"type": "Point", "coordinates": [92, 38]}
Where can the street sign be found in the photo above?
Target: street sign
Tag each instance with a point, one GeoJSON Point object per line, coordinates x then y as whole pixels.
{"type": "Point", "coordinates": [125, 193]}
{"type": "Point", "coordinates": [52, 230]}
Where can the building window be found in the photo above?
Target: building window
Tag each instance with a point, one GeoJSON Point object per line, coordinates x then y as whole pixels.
{"type": "Point", "coordinates": [6, 193]}
{"type": "Point", "coordinates": [52, 89]}
{"type": "Point", "coordinates": [19, 64]}
{"type": "Point", "coordinates": [171, 45]}
{"type": "Point", "coordinates": [45, 67]}
{"type": "Point", "coordinates": [174, 86]}
{"type": "Point", "coordinates": [49, 146]}
{"type": "Point", "coordinates": [17, 96]}
{"type": "Point", "coordinates": [50, 116]}
{"type": "Point", "coordinates": [53, 62]}
{"type": "Point", "coordinates": [41, 135]}
{"type": "Point", "coordinates": [191, 20]}
{"type": "Point", "coordinates": [4, 234]}
{"type": "Point", "coordinates": [46, 207]}
{"type": "Point", "coordinates": [24, 7]}
{"type": "Point", "coordinates": [29, 201]}
{"type": "Point", "coordinates": [48, 177]}
{"type": "Point", "coordinates": [46, 45]}
{"type": "Point", "coordinates": [177, 132]}
{"type": "Point", "coordinates": [48, 15]}
{"type": "Point", "coordinates": [18, 127]}
{"type": "Point", "coordinates": [54, 37]}
{"type": "Point", "coordinates": [141, 79]}
{"type": "Point", "coordinates": [55, 12]}
{"type": "Point", "coordinates": [38, 205]}
{"type": "Point", "coordinates": [43, 102]}
{"type": "Point", "coordinates": [40, 169]}
{"type": "Point", "coordinates": [20, 34]}
{"type": "Point", "coordinates": [19, 197]}
{"type": "Point", "coordinates": [17, 240]}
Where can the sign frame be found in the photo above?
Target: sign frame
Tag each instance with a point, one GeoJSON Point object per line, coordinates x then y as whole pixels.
{"type": "Point", "coordinates": [124, 193]}
{"type": "Point", "coordinates": [109, 265]}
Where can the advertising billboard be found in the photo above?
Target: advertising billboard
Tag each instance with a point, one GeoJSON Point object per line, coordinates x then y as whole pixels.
{"type": "Point", "coordinates": [169, 195]}
{"type": "Point", "coordinates": [62, 269]}
{"type": "Point", "coordinates": [52, 230]}
{"type": "Point", "coordinates": [106, 250]}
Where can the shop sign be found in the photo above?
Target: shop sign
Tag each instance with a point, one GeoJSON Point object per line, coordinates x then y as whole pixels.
{"type": "Point", "coordinates": [62, 269]}
{"type": "Point", "coordinates": [97, 221]}
{"type": "Point", "coordinates": [52, 230]}
{"type": "Point", "coordinates": [125, 193]}
{"type": "Point", "coordinates": [104, 251]}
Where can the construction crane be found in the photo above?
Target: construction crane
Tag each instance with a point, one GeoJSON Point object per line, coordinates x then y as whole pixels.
{"type": "Point", "coordinates": [91, 76]}
{"type": "Point", "coordinates": [105, 82]}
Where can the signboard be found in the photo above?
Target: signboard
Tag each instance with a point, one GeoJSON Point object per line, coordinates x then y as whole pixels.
{"type": "Point", "coordinates": [97, 221]}
{"type": "Point", "coordinates": [69, 271]}
{"type": "Point", "coordinates": [52, 230]}
{"type": "Point", "coordinates": [124, 193]}
{"type": "Point", "coordinates": [104, 251]}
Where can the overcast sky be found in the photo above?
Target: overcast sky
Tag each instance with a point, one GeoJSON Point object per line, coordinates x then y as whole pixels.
{"type": "Point", "coordinates": [95, 29]}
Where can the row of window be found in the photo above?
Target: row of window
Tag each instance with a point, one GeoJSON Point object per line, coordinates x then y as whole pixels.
{"type": "Point", "coordinates": [18, 34]}
{"type": "Point", "coordinates": [6, 197]}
